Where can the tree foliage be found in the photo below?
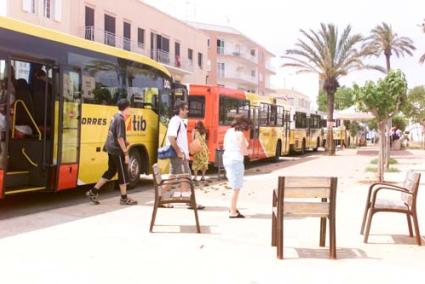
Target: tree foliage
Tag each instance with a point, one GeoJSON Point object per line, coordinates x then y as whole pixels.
{"type": "Point", "coordinates": [422, 59]}
{"type": "Point", "coordinates": [415, 107]}
{"type": "Point", "coordinates": [344, 98]}
{"type": "Point", "coordinates": [384, 40]}
{"type": "Point", "coordinates": [400, 122]}
{"type": "Point", "coordinates": [384, 99]}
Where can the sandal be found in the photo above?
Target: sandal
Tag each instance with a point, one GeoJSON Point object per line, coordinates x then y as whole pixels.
{"type": "Point", "coordinates": [128, 201]}
{"type": "Point", "coordinates": [237, 216]}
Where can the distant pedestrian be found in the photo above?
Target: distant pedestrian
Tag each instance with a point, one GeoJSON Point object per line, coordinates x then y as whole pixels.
{"type": "Point", "coordinates": [116, 146]}
{"type": "Point", "coordinates": [200, 158]}
{"type": "Point", "coordinates": [235, 148]}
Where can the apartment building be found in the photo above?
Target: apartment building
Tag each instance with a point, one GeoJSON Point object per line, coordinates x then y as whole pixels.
{"type": "Point", "coordinates": [129, 24]}
{"type": "Point", "coordinates": [237, 61]}
{"type": "Point", "coordinates": [295, 99]}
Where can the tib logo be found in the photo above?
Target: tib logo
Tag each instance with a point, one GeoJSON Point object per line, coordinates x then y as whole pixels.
{"type": "Point", "coordinates": [136, 123]}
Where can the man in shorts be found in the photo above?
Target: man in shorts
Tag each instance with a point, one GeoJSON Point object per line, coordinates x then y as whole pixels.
{"type": "Point", "coordinates": [116, 146]}
{"type": "Point", "coordinates": [177, 138]}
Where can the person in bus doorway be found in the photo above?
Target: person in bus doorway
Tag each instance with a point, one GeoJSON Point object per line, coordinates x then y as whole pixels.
{"type": "Point", "coordinates": [116, 146]}
{"type": "Point", "coordinates": [235, 148]}
{"type": "Point", "coordinates": [177, 138]}
{"type": "Point", "coordinates": [200, 158]}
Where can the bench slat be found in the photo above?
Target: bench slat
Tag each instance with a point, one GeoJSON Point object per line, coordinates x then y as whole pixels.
{"type": "Point", "coordinates": [306, 209]}
{"type": "Point", "coordinates": [307, 192]}
{"type": "Point", "coordinates": [307, 182]}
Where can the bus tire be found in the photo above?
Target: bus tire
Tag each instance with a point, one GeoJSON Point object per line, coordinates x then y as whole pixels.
{"type": "Point", "coordinates": [134, 168]}
{"type": "Point", "coordinates": [278, 152]}
{"type": "Point", "coordinates": [317, 145]}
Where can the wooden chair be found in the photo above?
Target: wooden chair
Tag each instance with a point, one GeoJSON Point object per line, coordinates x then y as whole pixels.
{"type": "Point", "coordinates": [313, 189]}
{"type": "Point", "coordinates": [406, 204]}
{"type": "Point", "coordinates": [162, 199]}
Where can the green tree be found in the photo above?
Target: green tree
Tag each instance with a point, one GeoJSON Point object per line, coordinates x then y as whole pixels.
{"type": "Point", "coordinates": [384, 99]}
{"type": "Point", "coordinates": [415, 107]}
{"type": "Point", "coordinates": [385, 41]}
{"type": "Point", "coordinates": [329, 54]}
{"type": "Point", "coordinates": [344, 98]}
{"type": "Point", "coordinates": [400, 122]}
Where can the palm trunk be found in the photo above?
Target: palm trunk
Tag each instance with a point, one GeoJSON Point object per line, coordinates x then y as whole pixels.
{"type": "Point", "coordinates": [330, 138]}
{"type": "Point", "coordinates": [381, 166]}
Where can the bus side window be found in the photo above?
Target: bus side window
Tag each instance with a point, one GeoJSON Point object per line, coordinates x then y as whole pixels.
{"type": "Point", "coordinates": [197, 106]}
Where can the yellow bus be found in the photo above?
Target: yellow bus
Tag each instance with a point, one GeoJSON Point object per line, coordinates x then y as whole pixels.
{"type": "Point", "coordinates": [58, 94]}
{"type": "Point", "coordinates": [298, 132]}
{"type": "Point", "coordinates": [269, 136]}
{"type": "Point", "coordinates": [315, 132]}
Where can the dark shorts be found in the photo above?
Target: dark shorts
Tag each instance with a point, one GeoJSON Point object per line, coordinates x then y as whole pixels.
{"type": "Point", "coordinates": [116, 163]}
{"type": "Point", "coordinates": [179, 166]}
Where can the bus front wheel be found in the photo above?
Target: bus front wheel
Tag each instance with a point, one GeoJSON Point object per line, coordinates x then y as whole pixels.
{"type": "Point", "coordinates": [278, 152]}
{"type": "Point", "coordinates": [134, 168]}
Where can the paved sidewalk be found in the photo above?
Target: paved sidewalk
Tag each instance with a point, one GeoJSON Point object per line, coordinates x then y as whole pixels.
{"type": "Point", "coordinates": [116, 247]}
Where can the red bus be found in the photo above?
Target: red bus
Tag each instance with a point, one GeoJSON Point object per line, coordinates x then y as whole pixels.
{"type": "Point", "coordinates": [216, 107]}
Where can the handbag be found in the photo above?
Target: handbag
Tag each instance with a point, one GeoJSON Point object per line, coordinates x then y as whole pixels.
{"type": "Point", "coordinates": [166, 152]}
{"type": "Point", "coordinates": [195, 146]}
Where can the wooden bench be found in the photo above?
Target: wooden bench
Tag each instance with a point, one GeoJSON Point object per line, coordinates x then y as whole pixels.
{"type": "Point", "coordinates": [321, 195]}
{"type": "Point", "coordinates": [162, 189]}
{"type": "Point", "coordinates": [405, 205]}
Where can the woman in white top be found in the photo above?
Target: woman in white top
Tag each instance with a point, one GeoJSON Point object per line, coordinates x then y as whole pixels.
{"type": "Point", "coordinates": [235, 148]}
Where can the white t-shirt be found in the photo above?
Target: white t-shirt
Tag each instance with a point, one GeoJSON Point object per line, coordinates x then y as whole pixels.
{"type": "Point", "coordinates": [173, 128]}
{"type": "Point", "coordinates": [233, 145]}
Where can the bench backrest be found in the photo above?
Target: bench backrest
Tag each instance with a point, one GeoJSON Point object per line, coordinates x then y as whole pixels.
{"type": "Point", "coordinates": [411, 183]}
{"type": "Point", "coordinates": [310, 196]}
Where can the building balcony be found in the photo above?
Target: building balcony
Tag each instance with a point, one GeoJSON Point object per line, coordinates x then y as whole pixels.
{"type": "Point", "coordinates": [174, 63]}
{"type": "Point", "coordinates": [109, 38]}
{"type": "Point", "coordinates": [270, 68]}
{"type": "Point", "coordinates": [238, 54]}
{"type": "Point", "coordinates": [238, 77]}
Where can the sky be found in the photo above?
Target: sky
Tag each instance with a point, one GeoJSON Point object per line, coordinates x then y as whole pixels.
{"type": "Point", "coordinates": [275, 24]}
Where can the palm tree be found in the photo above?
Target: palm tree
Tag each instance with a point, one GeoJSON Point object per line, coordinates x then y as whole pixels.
{"type": "Point", "coordinates": [383, 40]}
{"type": "Point", "coordinates": [330, 55]}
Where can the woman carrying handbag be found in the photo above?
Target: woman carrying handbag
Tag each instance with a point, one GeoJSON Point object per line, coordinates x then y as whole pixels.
{"type": "Point", "coordinates": [199, 150]}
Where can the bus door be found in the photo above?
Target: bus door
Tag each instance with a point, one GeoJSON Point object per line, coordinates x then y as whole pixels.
{"type": "Point", "coordinates": [27, 113]}
{"type": "Point", "coordinates": [254, 134]}
{"type": "Point", "coordinates": [68, 127]}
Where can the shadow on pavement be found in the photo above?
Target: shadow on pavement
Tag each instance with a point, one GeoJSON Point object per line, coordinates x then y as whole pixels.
{"type": "Point", "coordinates": [397, 239]}
{"type": "Point", "coordinates": [184, 229]}
{"type": "Point", "coordinates": [341, 253]}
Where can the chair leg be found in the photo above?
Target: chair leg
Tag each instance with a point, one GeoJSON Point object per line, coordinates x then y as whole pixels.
{"type": "Point", "coordinates": [195, 210]}
{"type": "Point", "coordinates": [332, 237]}
{"type": "Point", "coordinates": [365, 214]}
{"type": "Point", "coordinates": [417, 233]}
{"type": "Point", "coordinates": [368, 224]}
{"type": "Point", "coordinates": [154, 211]}
{"type": "Point", "coordinates": [322, 241]}
{"type": "Point", "coordinates": [279, 241]}
{"type": "Point", "coordinates": [273, 229]}
{"type": "Point", "coordinates": [409, 224]}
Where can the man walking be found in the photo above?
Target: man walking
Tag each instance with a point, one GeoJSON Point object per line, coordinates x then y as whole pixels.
{"type": "Point", "coordinates": [116, 146]}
